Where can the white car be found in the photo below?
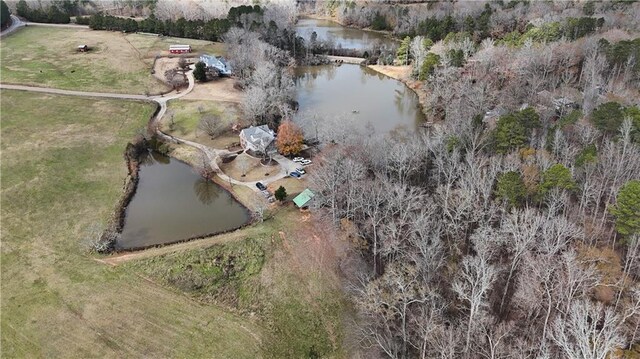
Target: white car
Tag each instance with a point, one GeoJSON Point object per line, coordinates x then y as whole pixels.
{"type": "Point", "coordinates": [301, 171]}
{"type": "Point", "coordinates": [298, 159]}
{"type": "Point", "coordinates": [305, 162]}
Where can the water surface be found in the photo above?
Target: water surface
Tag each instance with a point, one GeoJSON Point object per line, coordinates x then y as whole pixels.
{"type": "Point", "coordinates": [174, 203]}
{"type": "Point", "coordinates": [357, 94]}
{"type": "Point", "coordinates": [345, 37]}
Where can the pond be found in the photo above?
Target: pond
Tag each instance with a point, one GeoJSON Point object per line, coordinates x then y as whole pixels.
{"type": "Point", "coordinates": [344, 37]}
{"type": "Point", "coordinates": [358, 94]}
{"type": "Point", "coordinates": [174, 203]}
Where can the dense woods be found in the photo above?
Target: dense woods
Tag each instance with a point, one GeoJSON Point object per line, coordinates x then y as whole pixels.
{"type": "Point", "coordinates": [480, 250]}
{"type": "Point", "coordinates": [510, 228]}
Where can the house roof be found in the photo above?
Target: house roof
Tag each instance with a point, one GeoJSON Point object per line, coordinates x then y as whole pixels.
{"type": "Point", "coordinates": [259, 136]}
{"type": "Point", "coordinates": [303, 198]}
{"type": "Point", "coordinates": [219, 63]}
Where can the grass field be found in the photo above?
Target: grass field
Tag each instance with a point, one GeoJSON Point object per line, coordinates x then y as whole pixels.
{"type": "Point", "coordinates": [46, 56]}
{"type": "Point", "coordinates": [278, 271]}
{"type": "Point", "coordinates": [187, 114]}
{"type": "Point", "coordinates": [62, 173]}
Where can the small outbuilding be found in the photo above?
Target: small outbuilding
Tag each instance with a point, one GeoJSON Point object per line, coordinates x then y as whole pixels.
{"type": "Point", "coordinates": [302, 200]}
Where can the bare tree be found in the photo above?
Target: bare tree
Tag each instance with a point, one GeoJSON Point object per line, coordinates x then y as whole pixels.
{"type": "Point", "coordinates": [587, 331]}
{"type": "Point", "coordinates": [521, 229]}
{"type": "Point", "coordinates": [474, 280]}
{"type": "Point", "coordinates": [212, 125]}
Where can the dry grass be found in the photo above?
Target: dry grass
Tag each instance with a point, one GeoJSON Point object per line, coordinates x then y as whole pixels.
{"type": "Point", "coordinates": [57, 301]}
{"type": "Point", "coordinates": [218, 90]}
{"type": "Point", "coordinates": [293, 186]}
{"type": "Point", "coordinates": [255, 170]}
{"type": "Point", "coordinates": [45, 56]}
{"type": "Point", "coordinates": [395, 72]}
{"type": "Point", "coordinates": [187, 114]}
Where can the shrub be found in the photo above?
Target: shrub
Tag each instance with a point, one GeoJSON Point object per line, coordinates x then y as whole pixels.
{"type": "Point", "coordinates": [280, 194]}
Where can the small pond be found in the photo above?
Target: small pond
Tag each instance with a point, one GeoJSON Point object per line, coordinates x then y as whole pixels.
{"type": "Point", "coordinates": [174, 203]}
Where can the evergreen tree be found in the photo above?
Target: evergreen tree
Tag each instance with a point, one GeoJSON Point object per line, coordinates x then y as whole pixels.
{"type": "Point", "coordinates": [281, 194]}
{"type": "Point", "coordinates": [200, 72]}
{"type": "Point", "coordinates": [627, 208]}
{"type": "Point", "coordinates": [5, 14]}
{"type": "Point", "coordinates": [428, 65]}
{"type": "Point", "coordinates": [557, 176]}
{"type": "Point", "coordinates": [509, 134]}
{"type": "Point", "coordinates": [511, 188]}
{"type": "Point", "coordinates": [402, 55]}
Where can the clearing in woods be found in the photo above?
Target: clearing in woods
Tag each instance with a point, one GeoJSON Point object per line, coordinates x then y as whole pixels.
{"type": "Point", "coordinates": [117, 62]}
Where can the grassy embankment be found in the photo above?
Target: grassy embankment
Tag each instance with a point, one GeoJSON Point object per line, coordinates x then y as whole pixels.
{"type": "Point", "coordinates": [62, 171]}
{"type": "Point", "coordinates": [186, 117]}
{"type": "Point", "coordinates": [275, 273]}
{"type": "Point", "coordinates": [46, 56]}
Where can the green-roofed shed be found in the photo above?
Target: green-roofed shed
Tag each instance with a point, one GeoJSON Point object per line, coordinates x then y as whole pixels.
{"type": "Point", "coordinates": [303, 198]}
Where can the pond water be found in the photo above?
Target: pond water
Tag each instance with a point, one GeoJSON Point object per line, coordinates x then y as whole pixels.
{"type": "Point", "coordinates": [358, 94]}
{"type": "Point", "coordinates": [346, 37]}
{"type": "Point", "coordinates": [174, 203]}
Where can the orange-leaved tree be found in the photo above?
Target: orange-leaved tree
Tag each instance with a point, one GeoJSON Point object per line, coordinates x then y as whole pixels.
{"type": "Point", "coordinates": [289, 141]}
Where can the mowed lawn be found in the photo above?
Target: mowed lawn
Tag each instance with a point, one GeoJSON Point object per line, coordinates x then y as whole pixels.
{"type": "Point", "coordinates": [117, 62]}
{"type": "Point", "coordinates": [186, 116]}
{"type": "Point", "coordinates": [62, 173]}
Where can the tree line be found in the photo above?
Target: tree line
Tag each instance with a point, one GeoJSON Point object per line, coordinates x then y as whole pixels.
{"type": "Point", "coordinates": [5, 14]}
{"type": "Point", "coordinates": [56, 13]}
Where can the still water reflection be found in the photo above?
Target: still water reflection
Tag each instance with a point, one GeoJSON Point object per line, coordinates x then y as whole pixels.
{"type": "Point", "coordinates": [357, 94]}
{"type": "Point", "coordinates": [174, 203]}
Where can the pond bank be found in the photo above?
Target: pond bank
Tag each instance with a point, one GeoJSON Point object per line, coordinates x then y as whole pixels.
{"type": "Point", "coordinates": [403, 74]}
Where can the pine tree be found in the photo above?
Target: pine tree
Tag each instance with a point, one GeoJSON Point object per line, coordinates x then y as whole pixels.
{"type": "Point", "coordinates": [281, 194]}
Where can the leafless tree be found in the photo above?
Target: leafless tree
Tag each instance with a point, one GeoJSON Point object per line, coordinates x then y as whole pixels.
{"type": "Point", "coordinates": [521, 230]}
{"type": "Point", "coordinates": [587, 331]}
{"type": "Point", "coordinates": [212, 125]}
{"type": "Point", "coordinates": [474, 280]}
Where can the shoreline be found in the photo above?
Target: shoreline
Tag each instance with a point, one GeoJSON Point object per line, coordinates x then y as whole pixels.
{"type": "Point", "coordinates": [403, 74]}
{"type": "Point", "coordinates": [386, 33]}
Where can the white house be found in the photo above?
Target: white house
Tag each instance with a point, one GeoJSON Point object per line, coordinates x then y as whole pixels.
{"type": "Point", "coordinates": [257, 138]}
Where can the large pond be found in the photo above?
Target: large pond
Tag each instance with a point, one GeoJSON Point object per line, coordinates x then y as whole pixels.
{"type": "Point", "coordinates": [356, 94]}
{"type": "Point", "coordinates": [174, 203]}
{"type": "Point", "coordinates": [344, 37]}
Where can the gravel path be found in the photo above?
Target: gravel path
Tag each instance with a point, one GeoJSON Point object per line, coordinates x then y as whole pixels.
{"type": "Point", "coordinates": [212, 154]}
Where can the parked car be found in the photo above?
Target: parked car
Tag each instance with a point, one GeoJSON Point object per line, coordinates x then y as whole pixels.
{"type": "Point", "coordinates": [266, 194]}
{"type": "Point", "coordinates": [295, 174]}
{"type": "Point", "coordinates": [300, 171]}
{"type": "Point", "coordinates": [261, 186]}
{"type": "Point", "coordinates": [305, 162]}
{"type": "Point", "coordinates": [298, 159]}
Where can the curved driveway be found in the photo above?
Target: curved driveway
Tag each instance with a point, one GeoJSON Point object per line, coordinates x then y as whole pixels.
{"type": "Point", "coordinates": [211, 153]}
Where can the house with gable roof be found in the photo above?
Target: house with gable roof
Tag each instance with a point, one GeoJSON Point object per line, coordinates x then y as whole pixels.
{"type": "Point", "coordinates": [258, 139]}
